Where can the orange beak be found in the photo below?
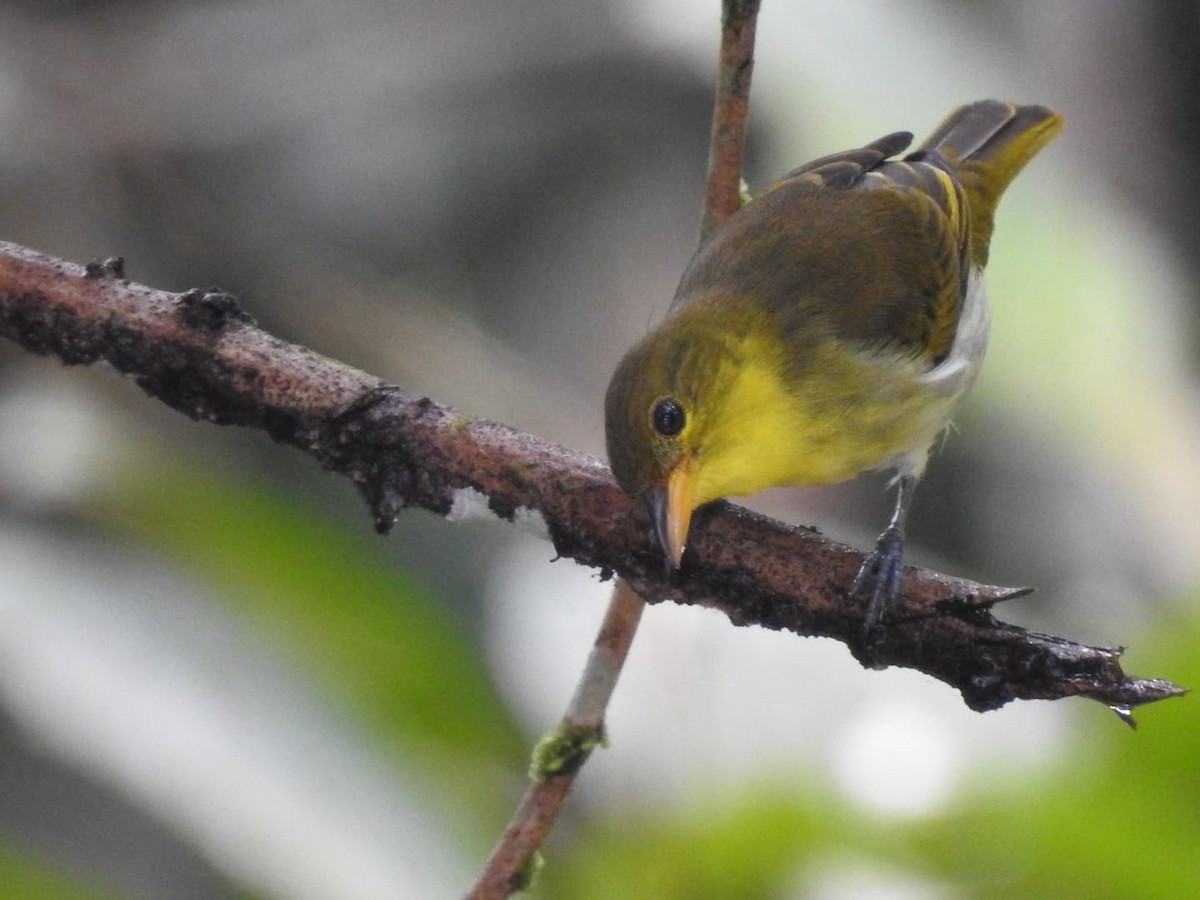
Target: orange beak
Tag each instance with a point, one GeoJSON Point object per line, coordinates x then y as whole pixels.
{"type": "Point", "coordinates": [671, 510]}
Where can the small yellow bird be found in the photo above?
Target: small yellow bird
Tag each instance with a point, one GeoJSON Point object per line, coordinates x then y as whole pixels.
{"type": "Point", "coordinates": [829, 327]}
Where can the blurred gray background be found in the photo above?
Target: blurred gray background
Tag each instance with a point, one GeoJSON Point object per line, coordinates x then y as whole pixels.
{"type": "Point", "coordinates": [486, 202]}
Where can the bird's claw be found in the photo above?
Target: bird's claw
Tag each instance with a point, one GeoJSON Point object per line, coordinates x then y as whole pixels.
{"type": "Point", "coordinates": [880, 575]}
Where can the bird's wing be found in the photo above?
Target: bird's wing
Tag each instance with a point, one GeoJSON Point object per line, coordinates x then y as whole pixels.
{"type": "Point", "coordinates": [845, 169]}
{"type": "Point", "coordinates": [869, 251]}
{"type": "Point", "coordinates": [873, 250]}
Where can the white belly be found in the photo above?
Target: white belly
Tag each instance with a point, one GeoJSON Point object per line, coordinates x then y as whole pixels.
{"type": "Point", "coordinates": [951, 380]}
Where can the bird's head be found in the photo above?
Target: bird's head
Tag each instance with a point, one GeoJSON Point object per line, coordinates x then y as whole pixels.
{"type": "Point", "coordinates": [661, 411]}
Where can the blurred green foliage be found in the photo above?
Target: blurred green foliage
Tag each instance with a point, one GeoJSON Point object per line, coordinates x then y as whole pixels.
{"type": "Point", "coordinates": [381, 645]}
{"type": "Point", "coordinates": [28, 877]}
{"type": "Point", "coordinates": [1119, 818]}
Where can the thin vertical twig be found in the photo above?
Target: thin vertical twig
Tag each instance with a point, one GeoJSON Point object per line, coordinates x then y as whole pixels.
{"type": "Point", "coordinates": [731, 114]}
{"type": "Point", "coordinates": [562, 752]}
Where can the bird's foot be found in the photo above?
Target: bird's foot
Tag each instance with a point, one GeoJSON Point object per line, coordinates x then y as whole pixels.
{"type": "Point", "coordinates": [879, 577]}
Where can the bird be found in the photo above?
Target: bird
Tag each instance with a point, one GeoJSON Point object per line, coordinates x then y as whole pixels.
{"type": "Point", "coordinates": [829, 327]}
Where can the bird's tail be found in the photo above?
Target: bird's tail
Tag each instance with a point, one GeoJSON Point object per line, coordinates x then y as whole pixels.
{"type": "Point", "coordinates": [988, 143]}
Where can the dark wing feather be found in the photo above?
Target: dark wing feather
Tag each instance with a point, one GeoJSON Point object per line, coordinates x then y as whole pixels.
{"type": "Point", "coordinates": [930, 176]}
{"type": "Point", "coordinates": [843, 170]}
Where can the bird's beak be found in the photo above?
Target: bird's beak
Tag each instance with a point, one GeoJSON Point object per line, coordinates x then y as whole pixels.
{"type": "Point", "coordinates": [671, 509]}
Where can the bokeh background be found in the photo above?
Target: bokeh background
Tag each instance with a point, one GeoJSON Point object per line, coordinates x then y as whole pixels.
{"type": "Point", "coordinates": [217, 681]}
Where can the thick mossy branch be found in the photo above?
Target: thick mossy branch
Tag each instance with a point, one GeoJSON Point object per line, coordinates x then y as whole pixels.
{"type": "Point", "coordinates": [200, 354]}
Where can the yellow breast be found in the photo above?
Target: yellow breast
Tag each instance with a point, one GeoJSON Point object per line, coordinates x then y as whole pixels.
{"type": "Point", "coordinates": [852, 411]}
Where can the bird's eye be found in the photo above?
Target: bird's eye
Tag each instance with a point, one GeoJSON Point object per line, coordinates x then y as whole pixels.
{"type": "Point", "coordinates": [668, 417]}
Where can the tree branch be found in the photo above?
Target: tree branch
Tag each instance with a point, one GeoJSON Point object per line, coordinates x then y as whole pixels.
{"type": "Point", "coordinates": [198, 354]}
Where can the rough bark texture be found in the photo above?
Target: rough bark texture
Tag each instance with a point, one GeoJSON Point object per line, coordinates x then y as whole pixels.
{"type": "Point", "coordinates": [201, 354]}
